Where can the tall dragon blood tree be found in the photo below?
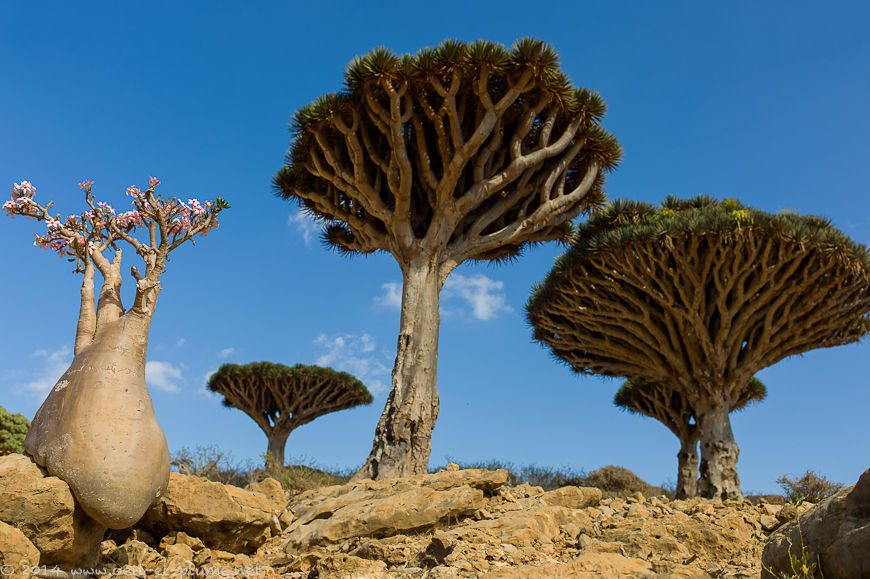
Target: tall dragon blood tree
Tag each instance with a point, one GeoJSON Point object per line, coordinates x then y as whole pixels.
{"type": "Point", "coordinates": [282, 398]}
{"type": "Point", "coordinates": [96, 429]}
{"type": "Point", "coordinates": [464, 151]}
{"type": "Point", "coordinates": [701, 295]}
{"type": "Point", "coordinates": [670, 407]}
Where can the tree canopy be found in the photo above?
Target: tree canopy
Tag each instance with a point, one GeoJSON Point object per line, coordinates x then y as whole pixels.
{"type": "Point", "coordinates": [486, 148]}
{"type": "Point", "coordinates": [281, 398]}
{"type": "Point", "coordinates": [699, 288]}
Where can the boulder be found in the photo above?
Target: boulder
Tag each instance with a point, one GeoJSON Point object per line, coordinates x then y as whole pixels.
{"type": "Point", "coordinates": [43, 508]}
{"type": "Point", "coordinates": [573, 497]}
{"type": "Point", "coordinates": [17, 553]}
{"type": "Point", "coordinates": [385, 508]}
{"type": "Point", "coordinates": [835, 534]}
{"type": "Point", "coordinates": [223, 516]}
{"type": "Point", "coordinates": [526, 526]}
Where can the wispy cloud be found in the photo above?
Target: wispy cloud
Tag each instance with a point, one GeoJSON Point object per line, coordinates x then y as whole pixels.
{"type": "Point", "coordinates": [392, 297]}
{"type": "Point", "coordinates": [304, 225]}
{"type": "Point", "coordinates": [356, 354]}
{"type": "Point", "coordinates": [51, 366]}
{"type": "Point", "coordinates": [163, 375]}
{"type": "Point", "coordinates": [226, 353]}
{"type": "Point", "coordinates": [484, 295]}
{"type": "Point", "coordinates": [180, 342]}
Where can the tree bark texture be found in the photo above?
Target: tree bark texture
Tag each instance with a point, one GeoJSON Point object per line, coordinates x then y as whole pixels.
{"type": "Point", "coordinates": [719, 454]}
{"type": "Point", "coordinates": [687, 467]}
{"type": "Point", "coordinates": [275, 449]}
{"type": "Point", "coordinates": [97, 430]}
{"type": "Point", "coordinates": [403, 436]}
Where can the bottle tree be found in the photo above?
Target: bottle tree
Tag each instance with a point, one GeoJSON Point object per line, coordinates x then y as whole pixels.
{"type": "Point", "coordinates": [96, 429]}
{"type": "Point", "coordinates": [670, 407]}
{"type": "Point", "coordinates": [282, 398]}
{"type": "Point", "coordinates": [465, 151]}
{"type": "Point", "coordinates": [701, 295]}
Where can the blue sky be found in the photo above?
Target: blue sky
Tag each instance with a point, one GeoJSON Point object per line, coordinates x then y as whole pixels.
{"type": "Point", "coordinates": [762, 101]}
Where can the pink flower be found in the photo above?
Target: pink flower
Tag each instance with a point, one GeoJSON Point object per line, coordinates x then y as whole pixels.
{"type": "Point", "coordinates": [86, 185]}
{"type": "Point", "coordinates": [152, 182]}
{"type": "Point", "coordinates": [23, 188]}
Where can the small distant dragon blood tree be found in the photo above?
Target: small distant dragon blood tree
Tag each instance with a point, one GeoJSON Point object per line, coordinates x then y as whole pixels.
{"type": "Point", "coordinates": [701, 295]}
{"type": "Point", "coordinates": [671, 408]}
{"type": "Point", "coordinates": [96, 429]}
{"type": "Point", "coordinates": [282, 398]}
{"type": "Point", "coordinates": [464, 151]}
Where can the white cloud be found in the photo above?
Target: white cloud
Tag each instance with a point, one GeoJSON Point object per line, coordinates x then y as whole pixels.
{"type": "Point", "coordinates": [51, 366]}
{"type": "Point", "coordinates": [304, 225]}
{"type": "Point", "coordinates": [485, 296]}
{"type": "Point", "coordinates": [226, 353]}
{"type": "Point", "coordinates": [392, 297]}
{"type": "Point", "coordinates": [180, 342]}
{"type": "Point", "coordinates": [204, 391]}
{"type": "Point", "coordinates": [357, 355]}
{"type": "Point", "coordinates": [162, 375]}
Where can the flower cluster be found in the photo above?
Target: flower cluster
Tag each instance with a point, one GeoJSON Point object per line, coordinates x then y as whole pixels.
{"type": "Point", "coordinates": [22, 201]}
{"type": "Point", "coordinates": [102, 225]}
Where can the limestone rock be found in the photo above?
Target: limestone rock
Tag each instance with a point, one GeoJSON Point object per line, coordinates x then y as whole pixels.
{"type": "Point", "coordinates": [223, 516]}
{"type": "Point", "coordinates": [377, 514]}
{"type": "Point", "coordinates": [44, 509]}
{"type": "Point", "coordinates": [16, 551]}
{"type": "Point", "coordinates": [524, 527]}
{"type": "Point", "coordinates": [272, 490]}
{"type": "Point", "coordinates": [836, 534]}
{"type": "Point", "coordinates": [341, 566]}
{"type": "Point", "coordinates": [133, 553]}
{"type": "Point", "coordinates": [573, 497]}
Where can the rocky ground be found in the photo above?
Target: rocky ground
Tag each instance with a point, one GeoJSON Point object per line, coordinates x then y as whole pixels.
{"type": "Point", "coordinates": [453, 523]}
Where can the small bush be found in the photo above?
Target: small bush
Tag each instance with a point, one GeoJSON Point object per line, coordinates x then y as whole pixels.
{"type": "Point", "coordinates": [545, 477]}
{"type": "Point", "coordinates": [213, 464]}
{"type": "Point", "coordinates": [809, 487]}
{"type": "Point", "coordinates": [301, 477]}
{"type": "Point", "coordinates": [13, 429]}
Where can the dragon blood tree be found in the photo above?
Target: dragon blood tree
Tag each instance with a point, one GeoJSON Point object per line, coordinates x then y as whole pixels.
{"type": "Point", "coordinates": [671, 408]}
{"type": "Point", "coordinates": [282, 398]}
{"type": "Point", "coordinates": [464, 151]}
{"type": "Point", "coordinates": [96, 429]}
{"type": "Point", "coordinates": [701, 295]}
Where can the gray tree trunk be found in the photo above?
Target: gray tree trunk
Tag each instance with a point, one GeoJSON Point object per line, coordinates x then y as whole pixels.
{"type": "Point", "coordinates": [719, 454]}
{"type": "Point", "coordinates": [403, 437]}
{"type": "Point", "coordinates": [275, 450]}
{"type": "Point", "coordinates": [687, 466]}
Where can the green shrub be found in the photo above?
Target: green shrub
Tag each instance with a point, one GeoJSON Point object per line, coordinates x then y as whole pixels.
{"type": "Point", "coordinates": [211, 463]}
{"type": "Point", "coordinates": [301, 477]}
{"type": "Point", "coordinates": [13, 429]}
{"type": "Point", "coordinates": [810, 487]}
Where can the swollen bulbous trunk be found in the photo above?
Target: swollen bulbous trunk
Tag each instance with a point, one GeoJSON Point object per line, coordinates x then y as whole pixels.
{"type": "Point", "coordinates": [97, 431]}
{"type": "Point", "coordinates": [719, 454]}
{"type": "Point", "coordinates": [403, 437]}
{"type": "Point", "coordinates": [687, 467]}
